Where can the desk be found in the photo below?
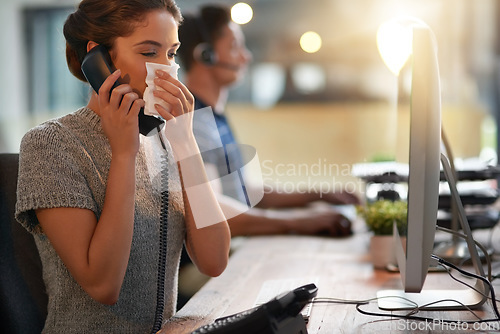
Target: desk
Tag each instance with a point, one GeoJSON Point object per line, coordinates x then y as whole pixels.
{"type": "Point", "coordinates": [344, 271]}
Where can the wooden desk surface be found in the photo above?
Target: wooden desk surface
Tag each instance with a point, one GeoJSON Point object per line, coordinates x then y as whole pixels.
{"type": "Point", "coordinates": [343, 269]}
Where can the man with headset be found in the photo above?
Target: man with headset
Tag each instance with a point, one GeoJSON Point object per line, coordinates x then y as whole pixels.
{"type": "Point", "coordinates": [214, 57]}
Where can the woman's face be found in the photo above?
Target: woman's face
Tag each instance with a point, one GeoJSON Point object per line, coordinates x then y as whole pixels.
{"type": "Point", "coordinates": [154, 39]}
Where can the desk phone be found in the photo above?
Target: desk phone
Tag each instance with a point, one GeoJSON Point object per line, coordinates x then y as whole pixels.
{"type": "Point", "coordinates": [280, 315]}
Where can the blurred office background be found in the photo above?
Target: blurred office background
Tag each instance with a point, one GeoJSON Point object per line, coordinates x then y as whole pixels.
{"type": "Point", "coordinates": [309, 114]}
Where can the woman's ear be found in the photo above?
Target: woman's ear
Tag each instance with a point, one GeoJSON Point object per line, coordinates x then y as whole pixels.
{"type": "Point", "coordinates": [91, 45]}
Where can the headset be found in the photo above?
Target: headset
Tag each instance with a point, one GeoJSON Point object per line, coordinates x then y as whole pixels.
{"type": "Point", "coordinates": [204, 51]}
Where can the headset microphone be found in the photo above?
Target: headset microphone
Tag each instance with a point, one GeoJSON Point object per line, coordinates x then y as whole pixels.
{"type": "Point", "coordinates": [204, 51]}
{"type": "Point", "coordinates": [205, 54]}
{"type": "Point", "coordinates": [227, 66]}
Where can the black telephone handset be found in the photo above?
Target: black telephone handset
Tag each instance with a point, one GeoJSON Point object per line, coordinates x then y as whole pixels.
{"type": "Point", "coordinates": [280, 315]}
{"type": "Point", "coordinates": [97, 66]}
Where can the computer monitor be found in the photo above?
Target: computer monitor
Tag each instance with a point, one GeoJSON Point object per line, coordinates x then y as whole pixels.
{"type": "Point", "coordinates": [423, 189]}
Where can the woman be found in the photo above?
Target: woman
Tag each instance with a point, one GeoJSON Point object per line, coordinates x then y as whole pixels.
{"type": "Point", "coordinates": [89, 187]}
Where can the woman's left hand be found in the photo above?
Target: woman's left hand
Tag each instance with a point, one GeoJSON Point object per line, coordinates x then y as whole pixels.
{"type": "Point", "coordinates": [179, 115]}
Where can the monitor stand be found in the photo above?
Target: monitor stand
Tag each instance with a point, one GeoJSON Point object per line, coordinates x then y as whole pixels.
{"type": "Point", "coordinates": [439, 299]}
{"type": "Point", "coordinates": [455, 250]}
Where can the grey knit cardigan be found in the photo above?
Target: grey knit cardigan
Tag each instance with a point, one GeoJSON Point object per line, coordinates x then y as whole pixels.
{"type": "Point", "coordinates": [64, 163]}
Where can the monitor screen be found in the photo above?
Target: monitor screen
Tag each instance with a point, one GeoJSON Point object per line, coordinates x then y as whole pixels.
{"type": "Point", "coordinates": [424, 159]}
{"type": "Point", "coordinates": [423, 188]}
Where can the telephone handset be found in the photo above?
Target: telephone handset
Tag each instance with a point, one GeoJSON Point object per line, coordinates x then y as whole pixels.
{"type": "Point", "coordinates": [280, 315]}
{"type": "Point", "coordinates": [97, 66]}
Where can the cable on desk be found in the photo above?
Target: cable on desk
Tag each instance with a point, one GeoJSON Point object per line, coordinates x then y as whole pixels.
{"type": "Point", "coordinates": [329, 300]}
{"type": "Point", "coordinates": [427, 319]}
{"type": "Point", "coordinates": [492, 245]}
{"type": "Point", "coordinates": [491, 277]}
{"type": "Point", "coordinates": [466, 273]}
{"type": "Point", "coordinates": [411, 316]}
{"type": "Point", "coordinates": [464, 283]}
{"type": "Point", "coordinates": [490, 239]}
{"type": "Point", "coordinates": [478, 244]}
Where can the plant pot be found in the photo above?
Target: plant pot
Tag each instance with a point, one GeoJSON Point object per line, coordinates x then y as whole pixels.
{"type": "Point", "coordinates": [382, 250]}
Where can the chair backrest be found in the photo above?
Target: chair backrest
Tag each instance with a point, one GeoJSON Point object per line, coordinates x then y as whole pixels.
{"type": "Point", "coordinates": [23, 300]}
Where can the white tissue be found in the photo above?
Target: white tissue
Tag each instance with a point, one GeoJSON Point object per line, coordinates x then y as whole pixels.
{"type": "Point", "coordinates": [149, 98]}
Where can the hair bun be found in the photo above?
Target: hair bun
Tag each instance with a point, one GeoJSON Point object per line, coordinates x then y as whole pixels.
{"type": "Point", "coordinates": [76, 43]}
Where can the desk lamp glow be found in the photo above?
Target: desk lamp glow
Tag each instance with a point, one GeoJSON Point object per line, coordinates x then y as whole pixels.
{"type": "Point", "coordinates": [423, 178]}
{"type": "Point", "coordinates": [394, 43]}
{"type": "Point", "coordinates": [394, 46]}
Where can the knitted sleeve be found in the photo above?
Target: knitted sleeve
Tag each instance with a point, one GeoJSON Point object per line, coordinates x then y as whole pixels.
{"type": "Point", "coordinates": [50, 174]}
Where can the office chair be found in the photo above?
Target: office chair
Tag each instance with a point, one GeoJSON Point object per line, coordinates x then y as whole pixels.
{"type": "Point", "coordinates": [23, 300]}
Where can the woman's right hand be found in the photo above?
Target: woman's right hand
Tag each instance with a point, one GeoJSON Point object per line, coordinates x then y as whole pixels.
{"type": "Point", "coordinates": [119, 113]}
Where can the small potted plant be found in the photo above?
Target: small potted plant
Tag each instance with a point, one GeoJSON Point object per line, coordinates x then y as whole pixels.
{"type": "Point", "coordinates": [380, 217]}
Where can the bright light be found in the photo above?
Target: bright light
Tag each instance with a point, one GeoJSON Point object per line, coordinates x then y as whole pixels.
{"type": "Point", "coordinates": [394, 42]}
{"type": "Point", "coordinates": [308, 78]}
{"type": "Point", "coordinates": [310, 42]}
{"type": "Point", "coordinates": [241, 13]}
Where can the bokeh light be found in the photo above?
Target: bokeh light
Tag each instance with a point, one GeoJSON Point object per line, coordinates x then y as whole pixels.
{"type": "Point", "coordinates": [310, 42]}
{"type": "Point", "coordinates": [241, 13]}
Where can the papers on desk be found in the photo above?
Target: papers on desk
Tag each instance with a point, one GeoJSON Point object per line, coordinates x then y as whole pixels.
{"type": "Point", "coordinates": [372, 169]}
{"type": "Point", "coordinates": [368, 171]}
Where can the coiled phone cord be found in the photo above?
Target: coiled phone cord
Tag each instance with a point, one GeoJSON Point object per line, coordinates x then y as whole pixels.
{"type": "Point", "coordinates": [162, 259]}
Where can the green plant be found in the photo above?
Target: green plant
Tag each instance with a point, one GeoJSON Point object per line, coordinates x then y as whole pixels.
{"type": "Point", "coordinates": [380, 216]}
